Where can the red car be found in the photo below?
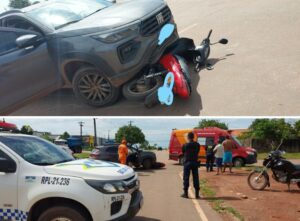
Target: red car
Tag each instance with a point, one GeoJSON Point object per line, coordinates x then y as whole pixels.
{"type": "Point", "coordinates": [209, 137]}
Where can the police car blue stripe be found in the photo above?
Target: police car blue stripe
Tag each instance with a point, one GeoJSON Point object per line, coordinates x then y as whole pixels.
{"type": "Point", "coordinates": [13, 214]}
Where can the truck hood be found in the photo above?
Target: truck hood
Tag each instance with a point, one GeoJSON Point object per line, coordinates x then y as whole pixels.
{"type": "Point", "coordinates": [117, 15]}
{"type": "Point", "coordinates": [91, 169]}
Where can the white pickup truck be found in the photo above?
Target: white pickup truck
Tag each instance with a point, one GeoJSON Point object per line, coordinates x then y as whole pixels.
{"type": "Point", "coordinates": [41, 182]}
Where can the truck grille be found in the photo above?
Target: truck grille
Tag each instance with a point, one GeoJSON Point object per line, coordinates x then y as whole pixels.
{"type": "Point", "coordinates": [153, 24]}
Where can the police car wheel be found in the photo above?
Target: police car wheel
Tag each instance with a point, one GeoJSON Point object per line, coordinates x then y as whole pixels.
{"type": "Point", "coordinates": [62, 213]}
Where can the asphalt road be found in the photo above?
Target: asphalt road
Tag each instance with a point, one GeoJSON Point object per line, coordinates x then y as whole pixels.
{"type": "Point", "coordinates": [256, 74]}
{"type": "Point", "coordinates": [162, 189]}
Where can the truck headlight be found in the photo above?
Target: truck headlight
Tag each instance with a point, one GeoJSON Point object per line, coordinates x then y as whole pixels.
{"type": "Point", "coordinates": [107, 187]}
{"type": "Point", "coordinates": [250, 153]}
{"type": "Point", "coordinates": [112, 37]}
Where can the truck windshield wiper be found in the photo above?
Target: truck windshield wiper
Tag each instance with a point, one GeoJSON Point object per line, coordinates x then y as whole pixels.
{"type": "Point", "coordinates": [43, 164]}
{"type": "Point", "coordinates": [64, 161]}
{"type": "Point", "coordinates": [66, 24]}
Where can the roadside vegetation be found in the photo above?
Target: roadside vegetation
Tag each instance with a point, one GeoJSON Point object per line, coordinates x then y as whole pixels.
{"type": "Point", "coordinates": [82, 155]}
{"type": "Point", "coordinates": [289, 156]}
{"type": "Point", "coordinates": [217, 204]}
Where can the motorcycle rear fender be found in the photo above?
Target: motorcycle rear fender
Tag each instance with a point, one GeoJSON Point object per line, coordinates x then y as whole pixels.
{"type": "Point", "coordinates": [181, 86]}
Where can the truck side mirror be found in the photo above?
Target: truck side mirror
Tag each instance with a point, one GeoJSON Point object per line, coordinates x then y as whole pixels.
{"type": "Point", "coordinates": [25, 41]}
{"type": "Point", "coordinates": [7, 166]}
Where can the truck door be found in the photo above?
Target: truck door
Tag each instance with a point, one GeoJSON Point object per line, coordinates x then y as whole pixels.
{"type": "Point", "coordinates": [24, 72]}
{"type": "Point", "coordinates": [8, 190]}
{"type": "Point", "coordinates": [205, 140]}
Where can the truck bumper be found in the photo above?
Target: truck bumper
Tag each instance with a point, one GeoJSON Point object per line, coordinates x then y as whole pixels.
{"type": "Point", "coordinates": [135, 206]}
{"type": "Point", "coordinates": [251, 159]}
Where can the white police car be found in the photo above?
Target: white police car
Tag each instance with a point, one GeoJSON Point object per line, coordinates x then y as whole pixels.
{"type": "Point", "coordinates": [41, 182]}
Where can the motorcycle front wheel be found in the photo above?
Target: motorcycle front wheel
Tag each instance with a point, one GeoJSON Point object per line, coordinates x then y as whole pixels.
{"type": "Point", "coordinates": [138, 90]}
{"type": "Point", "coordinates": [257, 181]}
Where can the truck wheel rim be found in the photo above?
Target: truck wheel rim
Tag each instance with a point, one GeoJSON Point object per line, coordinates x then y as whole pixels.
{"type": "Point", "coordinates": [94, 87]}
{"type": "Point", "coordinates": [61, 219]}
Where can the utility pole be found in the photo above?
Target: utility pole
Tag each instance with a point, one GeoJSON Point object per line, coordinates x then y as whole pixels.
{"type": "Point", "coordinates": [81, 125]}
{"type": "Point", "coordinates": [130, 123]}
{"type": "Point", "coordinates": [108, 135]}
{"type": "Point", "coordinates": [95, 133]}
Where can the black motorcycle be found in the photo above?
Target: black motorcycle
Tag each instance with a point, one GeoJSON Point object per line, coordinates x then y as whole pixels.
{"type": "Point", "coordinates": [283, 171]}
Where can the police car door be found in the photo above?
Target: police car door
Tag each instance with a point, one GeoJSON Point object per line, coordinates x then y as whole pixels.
{"type": "Point", "coordinates": [8, 188]}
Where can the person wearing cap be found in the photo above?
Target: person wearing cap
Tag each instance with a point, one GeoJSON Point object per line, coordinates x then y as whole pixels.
{"type": "Point", "coordinates": [123, 152]}
{"type": "Point", "coordinates": [190, 151]}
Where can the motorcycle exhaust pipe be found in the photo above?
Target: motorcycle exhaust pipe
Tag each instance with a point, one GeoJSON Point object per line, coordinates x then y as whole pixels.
{"type": "Point", "coordinates": [295, 180]}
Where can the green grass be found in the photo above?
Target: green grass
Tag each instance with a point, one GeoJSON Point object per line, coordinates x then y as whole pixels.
{"type": "Point", "coordinates": [82, 155]}
{"type": "Point", "coordinates": [217, 204]}
{"type": "Point", "coordinates": [289, 156]}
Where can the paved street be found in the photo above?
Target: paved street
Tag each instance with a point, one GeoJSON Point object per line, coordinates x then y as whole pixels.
{"type": "Point", "coordinates": [256, 74]}
{"type": "Point", "coordinates": [162, 189]}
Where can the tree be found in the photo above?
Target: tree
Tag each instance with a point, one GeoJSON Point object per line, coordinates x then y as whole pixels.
{"type": "Point", "coordinates": [19, 3]}
{"type": "Point", "coordinates": [297, 128]}
{"type": "Point", "coordinates": [26, 129]}
{"type": "Point", "coordinates": [145, 145]}
{"type": "Point", "coordinates": [132, 134]}
{"type": "Point", "coordinates": [65, 135]}
{"type": "Point", "coordinates": [46, 136]}
{"type": "Point", "coordinates": [211, 123]}
{"type": "Point", "coordinates": [274, 131]}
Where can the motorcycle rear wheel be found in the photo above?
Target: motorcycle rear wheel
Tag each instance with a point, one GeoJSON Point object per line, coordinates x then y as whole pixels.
{"type": "Point", "coordinates": [256, 182]}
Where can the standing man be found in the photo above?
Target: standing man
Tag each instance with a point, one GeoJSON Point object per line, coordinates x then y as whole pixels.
{"type": "Point", "coordinates": [190, 151]}
{"type": "Point", "coordinates": [210, 157]}
{"type": "Point", "coordinates": [228, 146]}
{"type": "Point", "coordinates": [219, 152]}
{"type": "Point", "coordinates": [123, 152]}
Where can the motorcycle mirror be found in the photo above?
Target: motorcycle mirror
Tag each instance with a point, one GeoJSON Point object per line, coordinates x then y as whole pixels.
{"type": "Point", "coordinates": [223, 41]}
{"type": "Point", "coordinates": [165, 33]}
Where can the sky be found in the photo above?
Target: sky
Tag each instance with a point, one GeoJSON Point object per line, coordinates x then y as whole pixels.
{"type": "Point", "coordinates": [156, 130]}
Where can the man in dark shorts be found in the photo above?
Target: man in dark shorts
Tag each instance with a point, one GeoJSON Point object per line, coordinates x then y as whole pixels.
{"type": "Point", "coordinates": [228, 146]}
{"type": "Point", "coordinates": [191, 152]}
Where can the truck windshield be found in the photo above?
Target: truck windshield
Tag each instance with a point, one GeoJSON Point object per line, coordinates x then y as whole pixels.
{"type": "Point", "coordinates": [237, 140]}
{"type": "Point", "coordinates": [59, 13]}
{"type": "Point", "coordinates": [35, 150]}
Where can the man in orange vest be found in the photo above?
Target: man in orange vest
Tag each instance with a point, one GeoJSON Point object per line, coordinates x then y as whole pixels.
{"type": "Point", "coordinates": [123, 152]}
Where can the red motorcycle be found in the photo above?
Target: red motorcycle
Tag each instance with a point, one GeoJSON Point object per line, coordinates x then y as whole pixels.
{"type": "Point", "coordinates": [174, 61]}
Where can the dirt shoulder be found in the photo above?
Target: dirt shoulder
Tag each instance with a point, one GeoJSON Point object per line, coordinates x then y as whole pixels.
{"type": "Point", "coordinates": [275, 203]}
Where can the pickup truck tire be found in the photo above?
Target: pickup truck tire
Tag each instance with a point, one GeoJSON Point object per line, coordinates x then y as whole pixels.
{"type": "Point", "coordinates": [92, 87]}
{"type": "Point", "coordinates": [62, 213]}
{"type": "Point", "coordinates": [147, 164]}
{"type": "Point", "coordinates": [238, 162]}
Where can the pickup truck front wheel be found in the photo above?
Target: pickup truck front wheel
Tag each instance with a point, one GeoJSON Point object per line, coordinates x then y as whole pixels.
{"type": "Point", "coordinates": [93, 88]}
{"type": "Point", "coordinates": [62, 213]}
